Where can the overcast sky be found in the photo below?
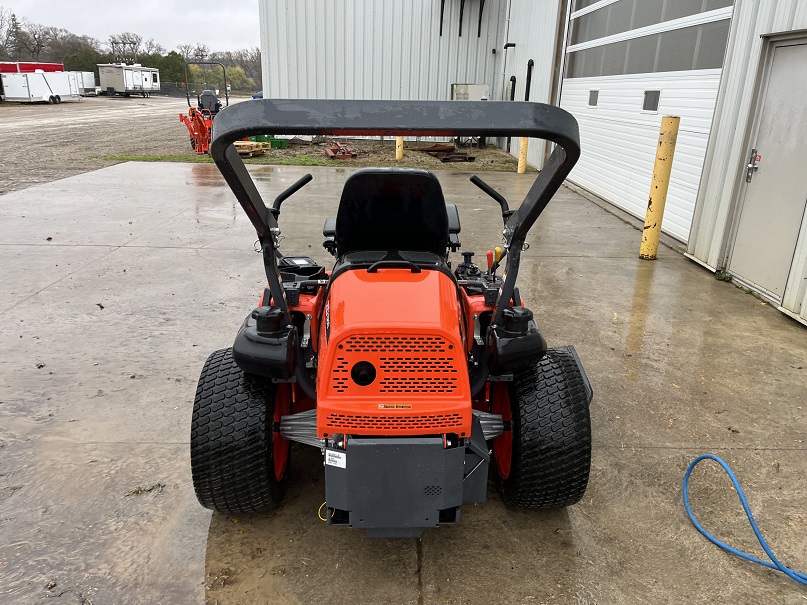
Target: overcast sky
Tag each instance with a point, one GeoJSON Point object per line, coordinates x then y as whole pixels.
{"type": "Point", "coordinates": [220, 24]}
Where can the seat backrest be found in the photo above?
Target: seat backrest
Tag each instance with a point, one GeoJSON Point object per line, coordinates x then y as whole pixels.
{"type": "Point", "coordinates": [208, 100]}
{"type": "Point", "coordinates": [392, 209]}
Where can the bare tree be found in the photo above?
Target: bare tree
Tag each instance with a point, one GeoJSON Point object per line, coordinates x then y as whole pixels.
{"type": "Point", "coordinates": [185, 50]}
{"type": "Point", "coordinates": [250, 60]}
{"type": "Point", "coordinates": [152, 47]}
{"type": "Point", "coordinates": [34, 38]}
{"type": "Point", "coordinates": [5, 31]}
{"type": "Point", "coordinates": [200, 52]}
{"type": "Point", "coordinates": [62, 43]}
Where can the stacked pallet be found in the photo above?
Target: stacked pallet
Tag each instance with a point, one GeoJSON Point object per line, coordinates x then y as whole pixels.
{"type": "Point", "coordinates": [247, 149]}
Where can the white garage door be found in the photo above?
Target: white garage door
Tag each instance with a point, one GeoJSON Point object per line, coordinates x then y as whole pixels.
{"type": "Point", "coordinates": [629, 63]}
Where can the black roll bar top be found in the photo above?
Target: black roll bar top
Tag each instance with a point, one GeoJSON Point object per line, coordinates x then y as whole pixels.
{"type": "Point", "coordinates": [398, 118]}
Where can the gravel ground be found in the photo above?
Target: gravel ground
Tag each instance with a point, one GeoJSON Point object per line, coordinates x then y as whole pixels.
{"type": "Point", "coordinates": [58, 141]}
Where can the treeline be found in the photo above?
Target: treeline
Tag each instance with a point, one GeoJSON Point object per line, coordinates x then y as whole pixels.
{"type": "Point", "coordinates": [22, 40]}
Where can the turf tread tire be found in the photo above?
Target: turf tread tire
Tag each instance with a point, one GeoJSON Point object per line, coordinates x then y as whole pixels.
{"type": "Point", "coordinates": [231, 439]}
{"type": "Point", "coordinates": [551, 457]}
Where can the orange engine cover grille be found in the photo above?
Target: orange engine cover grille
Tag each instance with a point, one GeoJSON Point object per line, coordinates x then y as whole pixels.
{"type": "Point", "coordinates": [408, 327]}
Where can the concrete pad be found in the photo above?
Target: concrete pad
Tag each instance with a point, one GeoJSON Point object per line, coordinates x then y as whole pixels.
{"type": "Point", "coordinates": [95, 402]}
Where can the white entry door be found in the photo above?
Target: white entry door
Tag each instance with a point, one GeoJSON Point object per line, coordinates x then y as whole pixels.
{"type": "Point", "coordinates": [775, 199]}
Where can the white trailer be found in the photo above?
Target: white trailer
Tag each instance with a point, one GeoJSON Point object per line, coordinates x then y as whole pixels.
{"type": "Point", "coordinates": [127, 80]}
{"type": "Point", "coordinates": [86, 83]}
{"type": "Point", "coordinates": [41, 87]}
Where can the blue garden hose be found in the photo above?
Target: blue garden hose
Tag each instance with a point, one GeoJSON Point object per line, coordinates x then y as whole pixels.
{"type": "Point", "coordinates": [798, 576]}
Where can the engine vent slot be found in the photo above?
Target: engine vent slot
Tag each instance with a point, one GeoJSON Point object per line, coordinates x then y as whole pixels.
{"type": "Point", "coordinates": [396, 344]}
{"type": "Point", "coordinates": [340, 375]}
{"type": "Point", "coordinates": [416, 384]}
{"type": "Point", "coordinates": [438, 422]}
{"type": "Point", "coordinates": [417, 365]}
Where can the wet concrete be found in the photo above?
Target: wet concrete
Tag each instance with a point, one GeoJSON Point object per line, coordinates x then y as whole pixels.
{"type": "Point", "coordinates": [95, 402]}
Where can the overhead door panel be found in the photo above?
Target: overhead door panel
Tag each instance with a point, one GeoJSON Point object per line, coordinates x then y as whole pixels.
{"type": "Point", "coordinates": [616, 54]}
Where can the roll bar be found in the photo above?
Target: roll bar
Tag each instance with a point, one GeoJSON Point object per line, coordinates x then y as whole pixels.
{"type": "Point", "coordinates": [224, 69]}
{"type": "Point", "coordinates": [397, 118]}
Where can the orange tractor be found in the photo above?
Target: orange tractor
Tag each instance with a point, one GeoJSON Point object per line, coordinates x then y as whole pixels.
{"type": "Point", "coordinates": [199, 120]}
{"type": "Point", "coordinates": [412, 376]}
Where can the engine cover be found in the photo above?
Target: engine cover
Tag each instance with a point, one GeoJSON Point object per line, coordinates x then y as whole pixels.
{"type": "Point", "coordinates": [392, 356]}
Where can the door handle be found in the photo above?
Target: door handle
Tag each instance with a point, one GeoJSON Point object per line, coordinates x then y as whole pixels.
{"type": "Point", "coordinates": [752, 165]}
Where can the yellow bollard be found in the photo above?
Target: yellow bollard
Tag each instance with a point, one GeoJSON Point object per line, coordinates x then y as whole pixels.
{"type": "Point", "coordinates": [522, 155]}
{"type": "Point", "coordinates": [398, 148]}
{"type": "Point", "coordinates": [658, 186]}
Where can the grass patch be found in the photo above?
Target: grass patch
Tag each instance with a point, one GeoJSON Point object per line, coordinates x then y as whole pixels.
{"type": "Point", "coordinates": [723, 276]}
{"type": "Point", "coordinates": [302, 160]}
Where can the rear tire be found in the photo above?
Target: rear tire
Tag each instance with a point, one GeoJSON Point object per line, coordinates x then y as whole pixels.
{"type": "Point", "coordinates": [238, 462]}
{"type": "Point", "coordinates": [549, 445]}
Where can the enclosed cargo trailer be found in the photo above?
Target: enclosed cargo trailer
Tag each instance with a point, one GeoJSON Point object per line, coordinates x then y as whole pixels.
{"type": "Point", "coordinates": [86, 83]}
{"type": "Point", "coordinates": [40, 87]}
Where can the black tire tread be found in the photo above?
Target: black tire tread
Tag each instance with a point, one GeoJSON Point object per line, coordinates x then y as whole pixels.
{"type": "Point", "coordinates": [551, 434]}
{"type": "Point", "coordinates": [231, 439]}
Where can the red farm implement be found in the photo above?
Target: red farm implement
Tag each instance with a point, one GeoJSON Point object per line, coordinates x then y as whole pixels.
{"type": "Point", "coordinates": [199, 120]}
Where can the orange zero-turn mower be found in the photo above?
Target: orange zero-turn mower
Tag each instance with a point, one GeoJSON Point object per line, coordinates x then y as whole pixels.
{"type": "Point", "coordinates": [199, 120]}
{"type": "Point", "coordinates": [411, 378]}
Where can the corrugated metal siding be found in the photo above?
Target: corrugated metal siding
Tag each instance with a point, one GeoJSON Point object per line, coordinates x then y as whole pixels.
{"type": "Point", "coordinates": [619, 140]}
{"type": "Point", "coordinates": [728, 143]}
{"type": "Point", "coordinates": [726, 155]}
{"type": "Point", "coordinates": [533, 29]}
{"type": "Point", "coordinates": [366, 49]}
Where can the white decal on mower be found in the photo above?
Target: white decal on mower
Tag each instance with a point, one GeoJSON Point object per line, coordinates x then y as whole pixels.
{"type": "Point", "coordinates": [334, 458]}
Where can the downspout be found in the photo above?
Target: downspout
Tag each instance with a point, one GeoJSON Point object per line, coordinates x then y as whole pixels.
{"type": "Point", "coordinates": [506, 46]}
{"type": "Point", "coordinates": [512, 98]}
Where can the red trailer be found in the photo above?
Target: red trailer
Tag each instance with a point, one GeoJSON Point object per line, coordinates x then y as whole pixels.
{"type": "Point", "coordinates": [28, 67]}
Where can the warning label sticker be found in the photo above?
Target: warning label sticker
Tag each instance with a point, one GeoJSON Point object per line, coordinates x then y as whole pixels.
{"type": "Point", "coordinates": [334, 458]}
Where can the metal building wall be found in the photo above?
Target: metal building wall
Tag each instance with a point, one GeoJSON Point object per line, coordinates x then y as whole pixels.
{"type": "Point", "coordinates": [369, 49]}
{"type": "Point", "coordinates": [727, 150]}
{"type": "Point", "coordinates": [723, 174]}
{"type": "Point", "coordinates": [533, 28]}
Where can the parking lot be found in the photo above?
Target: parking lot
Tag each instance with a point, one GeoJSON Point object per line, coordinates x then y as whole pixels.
{"type": "Point", "coordinates": [49, 142]}
{"type": "Point", "coordinates": [119, 282]}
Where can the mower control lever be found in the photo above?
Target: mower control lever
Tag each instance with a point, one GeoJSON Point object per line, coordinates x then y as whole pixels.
{"type": "Point", "coordinates": [287, 193]}
{"type": "Point", "coordinates": [506, 212]}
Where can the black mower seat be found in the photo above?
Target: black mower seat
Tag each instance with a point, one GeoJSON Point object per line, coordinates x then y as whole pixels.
{"type": "Point", "coordinates": [392, 209]}
{"type": "Point", "coordinates": [208, 100]}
